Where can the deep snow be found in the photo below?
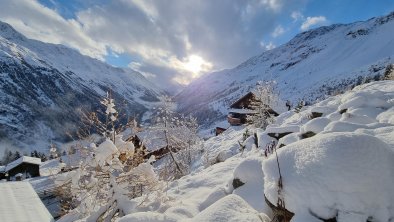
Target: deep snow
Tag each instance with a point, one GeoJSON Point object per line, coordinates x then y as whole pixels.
{"type": "Point", "coordinates": [345, 172]}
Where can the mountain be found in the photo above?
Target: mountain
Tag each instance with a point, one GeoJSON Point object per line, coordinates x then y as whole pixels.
{"type": "Point", "coordinates": [42, 87]}
{"type": "Point", "coordinates": [315, 63]}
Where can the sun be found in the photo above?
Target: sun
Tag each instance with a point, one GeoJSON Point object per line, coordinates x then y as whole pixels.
{"type": "Point", "coordinates": [195, 64]}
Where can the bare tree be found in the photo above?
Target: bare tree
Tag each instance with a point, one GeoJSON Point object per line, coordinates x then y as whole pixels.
{"type": "Point", "coordinates": [180, 135]}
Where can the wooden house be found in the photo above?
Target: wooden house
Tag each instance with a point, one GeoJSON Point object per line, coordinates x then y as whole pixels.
{"type": "Point", "coordinates": [26, 166]}
{"type": "Point", "coordinates": [2, 173]}
{"type": "Point", "coordinates": [221, 127]}
{"type": "Point", "coordinates": [241, 108]}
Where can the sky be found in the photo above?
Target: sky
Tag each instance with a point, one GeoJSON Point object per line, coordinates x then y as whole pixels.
{"type": "Point", "coordinates": [172, 42]}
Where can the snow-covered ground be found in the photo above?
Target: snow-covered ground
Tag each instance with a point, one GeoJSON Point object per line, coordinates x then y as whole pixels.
{"type": "Point", "coordinates": [339, 165]}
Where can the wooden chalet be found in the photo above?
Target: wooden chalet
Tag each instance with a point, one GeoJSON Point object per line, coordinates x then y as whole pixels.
{"type": "Point", "coordinates": [23, 168]}
{"type": "Point", "coordinates": [221, 127]}
{"type": "Point", "coordinates": [2, 173]}
{"type": "Point", "coordinates": [240, 110]}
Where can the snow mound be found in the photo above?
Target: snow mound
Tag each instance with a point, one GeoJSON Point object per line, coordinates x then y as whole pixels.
{"type": "Point", "coordinates": [147, 217]}
{"type": "Point", "coordinates": [291, 138]}
{"type": "Point", "coordinates": [387, 116]}
{"type": "Point", "coordinates": [349, 175]}
{"type": "Point", "coordinates": [283, 129]}
{"type": "Point", "coordinates": [315, 125]}
{"type": "Point", "coordinates": [250, 173]}
{"type": "Point", "coordinates": [230, 208]}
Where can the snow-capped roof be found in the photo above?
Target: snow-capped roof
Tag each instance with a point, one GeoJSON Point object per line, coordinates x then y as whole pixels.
{"type": "Point", "coordinates": [152, 140]}
{"type": "Point", "coordinates": [19, 202]}
{"type": "Point", "coordinates": [224, 124]}
{"type": "Point", "coordinates": [23, 159]}
{"type": "Point", "coordinates": [2, 169]}
{"type": "Point", "coordinates": [242, 111]}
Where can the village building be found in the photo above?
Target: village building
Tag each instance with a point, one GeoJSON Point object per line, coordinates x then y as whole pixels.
{"type": "Point", "coordinates": [23, 168]}
{"type": "Point", "coordinates": [2, 173]}
{"type": "Point", "coordinates": [19, 202]}
{"type": "Point", "coordinates": [221, 127]}
{"type": "Point", "coordinates": [242, 108]}
{"type": "Point", "coordinates": [153, 142]}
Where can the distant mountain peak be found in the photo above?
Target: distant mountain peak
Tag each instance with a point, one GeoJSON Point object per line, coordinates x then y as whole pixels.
{"type": "Point", "coordinates": [9, 33]}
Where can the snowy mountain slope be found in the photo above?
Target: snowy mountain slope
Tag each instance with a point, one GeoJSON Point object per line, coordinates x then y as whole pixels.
{"type": "Point", "coordinates": [313, 64]}
{"type": "Point", "coordinates": [42, 85]}
{"type": "Point", "coordinates": [344, 171]}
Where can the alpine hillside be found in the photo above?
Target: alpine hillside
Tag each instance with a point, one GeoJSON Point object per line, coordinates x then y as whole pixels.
{"type": "Point", "coordinates": [42, 87]}
{"type": "Point", "coordinates": [315, 63]}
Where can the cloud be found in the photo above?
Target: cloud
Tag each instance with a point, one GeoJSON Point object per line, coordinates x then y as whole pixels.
{"type": "Point", "coordinates": [297, 16]}
{"type": "Point", "coordinates": [278, 31]}
{"type": "Point", "coordinates": [164, 35]}
{"type": "Point", "coordinates": [41, 23]}
{"type": "Point", "coordinates": [268, 46]}
{"type": "Point", "coordinates": [313, 21]}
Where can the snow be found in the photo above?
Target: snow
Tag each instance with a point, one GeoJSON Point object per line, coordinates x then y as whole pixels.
{"type": "Point", "coordinates": [224, 124]}
{"type": "Point", "coordinates": [387, 116]}
{"type": "Point", "coordinates": [251, 174]}
{"type": "Point", "coordinates": [230, 208]}
{"type": "Point", "coordinates": [147, 217]}
{"type": "Point", "coordinates": [20, 203]}
{"type": "Point", "coordinates": [122, 145]}
{"type": "Point", "coordinates": [152, 139]}
{"type": "Point", "coordinates": [316, 125]}
{"type": "Point", "coordinates": [104, 152]}
{"type": "Point", "coordinates": [346, 170]}
{"type": "Point", "coordinates": [23, 159]}
{"type": "Point", "coordinates": [242, 111]}
{"type": "Point", "coordinates": [336, 172]}
{"type": "Point", "coordinates": [290, 138]}
{"type": "Point", "coordinates": [282, 129]}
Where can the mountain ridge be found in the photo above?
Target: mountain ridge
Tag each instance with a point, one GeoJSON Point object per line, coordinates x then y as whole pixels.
{"type": "Point", "coordinates": [43, 85]}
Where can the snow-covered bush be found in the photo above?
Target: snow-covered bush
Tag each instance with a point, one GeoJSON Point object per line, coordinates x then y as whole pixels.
{"type": "Point", "coordinates": [110, 174]}
{"type": "Point", "coordinates": [103, 185]}
{"type": "Point", "coordinates": [345, 175]}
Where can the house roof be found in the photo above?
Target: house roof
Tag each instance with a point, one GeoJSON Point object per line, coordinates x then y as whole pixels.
{"type": "Point", "coordinates": [23, 159]}
{"type": "Point", "coordinates": [19, 202]}
{"type": "Point", "coordinates": [152, 140]}
{"type": "Point", "coordinates": [224, 124]}
{"type": "Point", "coordinates": [242, 111]}
{"type": "Point", "coordinates": [2, 169]}
{"type": "Point", "coordinates": [249, 95]}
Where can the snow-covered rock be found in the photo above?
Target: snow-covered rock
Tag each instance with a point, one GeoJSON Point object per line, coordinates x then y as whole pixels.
{"type": "Point", "coordinates": [250, 173]}
{"type": "Point", "coordinates": [230, 208]}
{"type": "Point", "coordinates": [315, 125]}
{"type": "Point", "coordinates": [334, 174]}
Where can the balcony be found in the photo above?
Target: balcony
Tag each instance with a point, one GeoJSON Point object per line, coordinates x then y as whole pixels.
{"type": "Point", "coordinates": [233, 120]}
